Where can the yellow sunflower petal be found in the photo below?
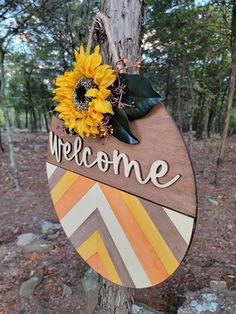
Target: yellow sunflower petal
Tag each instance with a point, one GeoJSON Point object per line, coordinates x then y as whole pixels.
{"type": "Point", "coordinates": [76, 54]}
{"type": "Point", "coordinates": [94, 131]}
{"type": "Point", "coordinates": [100, 73]}
{"type": "Point", "coordinates": [82, 128]}
{"type": "Point", "coordinates": [103, 93]}
{"type": "Point", "coordinates": [91, 122]}
{"type": "Point", "coordinates": [92, 92]}
{"type": "Point", "coordinates": [71, 125]}
{"type": "Point", "coordinates": [79, 114]}
{"type": "Point", "coordinates": [82, 51]}
{"type": "Point", "coordinates": [96, 58]}
{"type": "Point", "coordinates": [103, 106]}
{"type": "Point", "coordinates": [97, 116]}
{"type": "Point", "coordinates": [108, 79]}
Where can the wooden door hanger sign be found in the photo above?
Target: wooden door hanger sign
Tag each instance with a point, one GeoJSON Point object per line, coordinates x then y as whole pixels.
{"type": "Point", "coordinates": [119, 173]}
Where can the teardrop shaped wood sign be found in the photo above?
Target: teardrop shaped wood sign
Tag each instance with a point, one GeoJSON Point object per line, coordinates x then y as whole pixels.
{"type": "Point", "coordinates": [129, 210]}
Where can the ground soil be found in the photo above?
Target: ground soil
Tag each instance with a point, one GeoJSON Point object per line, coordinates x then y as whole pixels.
{"type": "Point", "coordinates": [212, 255]}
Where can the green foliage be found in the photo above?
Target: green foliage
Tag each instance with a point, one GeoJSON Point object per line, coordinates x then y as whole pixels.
{"type": "Point", "coordinates": [186, 52]}
{"type": "Point", "coordinates": [186, 56]}
{"type": "Point", "coordinates": [139, 96]}
{"type": "Point", "coordinates": [120, 125]}
{"type": "Point", "coordinates": [40, 50]}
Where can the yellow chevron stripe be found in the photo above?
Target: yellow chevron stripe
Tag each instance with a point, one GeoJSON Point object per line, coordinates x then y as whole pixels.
{"type": "Point", "coordinates": [107, 262]}
{"type": "Point", "coordinates": [63, 185]}
{"type": "Point", "coordinates": [151, 232]}
{"type": "Point", "coordinates": [89, 247]}
{"type": "Point", "coordinates": [94, 244]}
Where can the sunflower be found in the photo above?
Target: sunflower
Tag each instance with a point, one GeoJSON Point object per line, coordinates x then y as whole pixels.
{"type": "Point", "coordinates": [83, 94]}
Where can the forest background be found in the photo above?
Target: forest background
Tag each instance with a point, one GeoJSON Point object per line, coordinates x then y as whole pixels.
{"type": "Point", "coordinates": [187, 55]}
{"type": "Point", "coordinates": [186, 51]}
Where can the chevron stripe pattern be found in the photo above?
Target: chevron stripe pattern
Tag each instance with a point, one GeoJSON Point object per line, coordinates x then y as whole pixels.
{"type": "Point", "coordinates": [130, 241]}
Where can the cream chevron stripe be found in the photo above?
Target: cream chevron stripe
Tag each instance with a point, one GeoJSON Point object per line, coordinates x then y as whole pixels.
{"type": "Point", "coordinates": [80, 212]}
{"type": "Point", "coordinates": [183, 223]}
{"type": "Point", "coordinates": [50, 169]}
{"type": "Point", "coordinates": [93, 200]}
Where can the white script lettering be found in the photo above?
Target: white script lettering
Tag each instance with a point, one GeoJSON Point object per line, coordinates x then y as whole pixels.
{"type": "Point", "coordinates": [81, 154]}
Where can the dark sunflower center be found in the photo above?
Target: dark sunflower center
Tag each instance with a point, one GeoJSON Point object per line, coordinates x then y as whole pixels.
{"type": "Point", "coordinates": [81, 101]}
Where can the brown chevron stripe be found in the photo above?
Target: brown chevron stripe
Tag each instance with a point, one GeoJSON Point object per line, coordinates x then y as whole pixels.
{"type": "Point", "coordinates": [95, 222]}
{"type": "Point", "coordinates": [168, 230]}
{"type": "Point", "coordinates": [56, 176]}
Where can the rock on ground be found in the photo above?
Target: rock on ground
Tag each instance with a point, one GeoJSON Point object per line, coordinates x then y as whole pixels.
{"type": "Point", "coordinates": [48, 227]}
{"type": "Point", "coordinates": [26, 239]}
{"type": "Point", "coordinates": [27, 288]}
{"type": "Point", "coordinates": [140, 308]}
{"type": "Point", "coordinates": [67, 291]}
{"type": "Point", "coordinates": [216, 299]}
{"type": "Point", "coordinates": [90, 285]}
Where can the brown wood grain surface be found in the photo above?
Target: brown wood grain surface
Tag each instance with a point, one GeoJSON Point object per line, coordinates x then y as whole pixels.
{"type": "Point", "coordinates": [160, 139]}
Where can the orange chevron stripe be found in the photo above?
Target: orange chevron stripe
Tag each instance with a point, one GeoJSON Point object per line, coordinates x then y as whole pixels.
{"type": "Point", "coordinates": [95, 262]}
{"type": "Point", "coordinates": [151, 231]}
{"type": "Point", "coordinates": [72, 196]}
{"type": "Point", "coordinates": [63, 185]}
{"type": "Point", "coordinates": [151, 263]}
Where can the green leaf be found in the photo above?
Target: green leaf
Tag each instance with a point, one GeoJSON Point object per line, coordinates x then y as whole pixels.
{"type": "Point", "coordinates": [121, 130]}
{"type": "Point", "coordinates": [138, 90]}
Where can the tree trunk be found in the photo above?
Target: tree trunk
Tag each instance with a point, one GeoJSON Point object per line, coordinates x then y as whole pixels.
{"type": "Point", "coordinates": [17, 117]}
{"type": "Point", "coordinates": [126, 18]}
{"type": "Point", "coordinates": [114, 299]}
{"type": "Point", "coordinates": [168, 83]}
{"type": "Point", "coordinates": [211, 117]}
{"type": "Point", "coordinates": [201, 119]}
{"type": "Point", "coordinates": [14, 172]}
{"type": "Point", "coordinates": [1, 144]}
{"type": "Point", "coordinates": [26, 117]}
{"type": "Point", "coordinates": [45, 115]}
{"type": "Point", "coordinates": [232, 81]}
{"type": "Point", "coordinates": [33, 118]}
{"type": "Point", "coordinates": [192, 109]}
{"type": "Point", "coordinates": [179, 112]}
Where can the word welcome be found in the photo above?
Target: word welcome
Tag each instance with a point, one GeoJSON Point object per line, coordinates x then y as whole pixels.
{"type": "Point", "coordinates": [103, 161]}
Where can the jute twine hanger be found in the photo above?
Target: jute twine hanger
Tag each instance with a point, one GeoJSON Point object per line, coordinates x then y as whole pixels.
{"type": "Point", "coordinates": [102, 22]}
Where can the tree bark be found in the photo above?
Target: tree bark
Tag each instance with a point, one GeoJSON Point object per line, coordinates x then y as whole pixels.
{"type": "Point", "coordinates": [17, 117]}
{"type": "Point", "coordinates": [26, 117]}
{"type": "Point", "coordinates": [14, 172]}
{"type": "Point", "coordinates": [231, 90]}
{"type": "Point", "coordinates": [45, 114]}
{"type": "Point", "coordinates": [113, 298]}
{"type": "Point", "coordinates": [33, 118]}
{"type": "Point", "coordinates": [1, 144]}
{"type": "Point", "coordinates": [126, 18]}
{"type": "Point", "coordinates": [192, 109]}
